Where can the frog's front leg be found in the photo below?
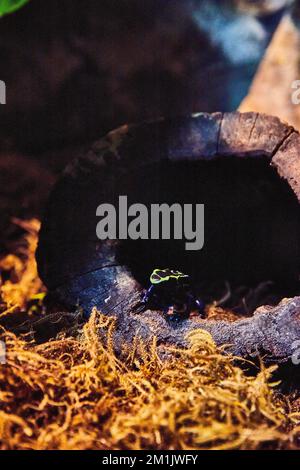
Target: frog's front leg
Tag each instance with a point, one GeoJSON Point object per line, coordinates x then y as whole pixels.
{"type": "Point", "coordinates": [148, 295]}
{"type": "Point", "coordinates": [142, 305]}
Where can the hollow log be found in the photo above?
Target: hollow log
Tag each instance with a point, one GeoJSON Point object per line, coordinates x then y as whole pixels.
{"type": "Point", "coordinates": [245, 168]}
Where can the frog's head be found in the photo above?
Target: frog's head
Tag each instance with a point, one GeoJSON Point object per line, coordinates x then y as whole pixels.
{"type": "Point", "coordinates": [159, 276]}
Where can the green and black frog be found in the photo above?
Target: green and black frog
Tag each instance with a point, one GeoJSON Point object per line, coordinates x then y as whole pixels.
{"type": "Point", "coordinates": [171, 291]}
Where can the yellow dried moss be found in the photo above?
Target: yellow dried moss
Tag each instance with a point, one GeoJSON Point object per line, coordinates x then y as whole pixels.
{"type": "Point", "coordinates": [23, 282]}
{"type": "Point", "coordinates": [70, 393]}
{"type": "Point", "coordinates": [74, 393]}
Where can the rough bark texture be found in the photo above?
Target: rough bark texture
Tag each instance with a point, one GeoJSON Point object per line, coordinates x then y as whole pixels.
{"type": "Point", "coordinates": [82, 270]}
{"type": "Point", "coordinates": [270, 333]}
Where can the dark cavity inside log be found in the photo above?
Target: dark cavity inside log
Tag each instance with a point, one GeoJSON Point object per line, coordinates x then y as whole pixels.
{"type": "Point", "coordinates": [252, 222]}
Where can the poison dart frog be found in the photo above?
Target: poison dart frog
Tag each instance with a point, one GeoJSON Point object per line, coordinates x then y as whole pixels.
{"type": "Point", "coordinates": [171, 292]}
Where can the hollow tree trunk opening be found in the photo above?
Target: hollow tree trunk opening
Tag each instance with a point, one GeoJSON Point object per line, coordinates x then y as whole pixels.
{"type": "Point", "coordinates": [252, 225]}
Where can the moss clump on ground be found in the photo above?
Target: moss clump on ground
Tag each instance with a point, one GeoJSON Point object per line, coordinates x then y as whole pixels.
{"type": "Point", "coordinates": [72, 392]}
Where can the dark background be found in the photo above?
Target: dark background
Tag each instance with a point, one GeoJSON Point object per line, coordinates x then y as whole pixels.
{"type": "Point", "coordinates": [76, 69]}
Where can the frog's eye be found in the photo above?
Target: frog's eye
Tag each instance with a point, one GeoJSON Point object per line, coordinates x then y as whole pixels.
{"type": "Point", "coordinates": [155, 278]}
{"type": "Point", "coordinates": [159, 275]}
